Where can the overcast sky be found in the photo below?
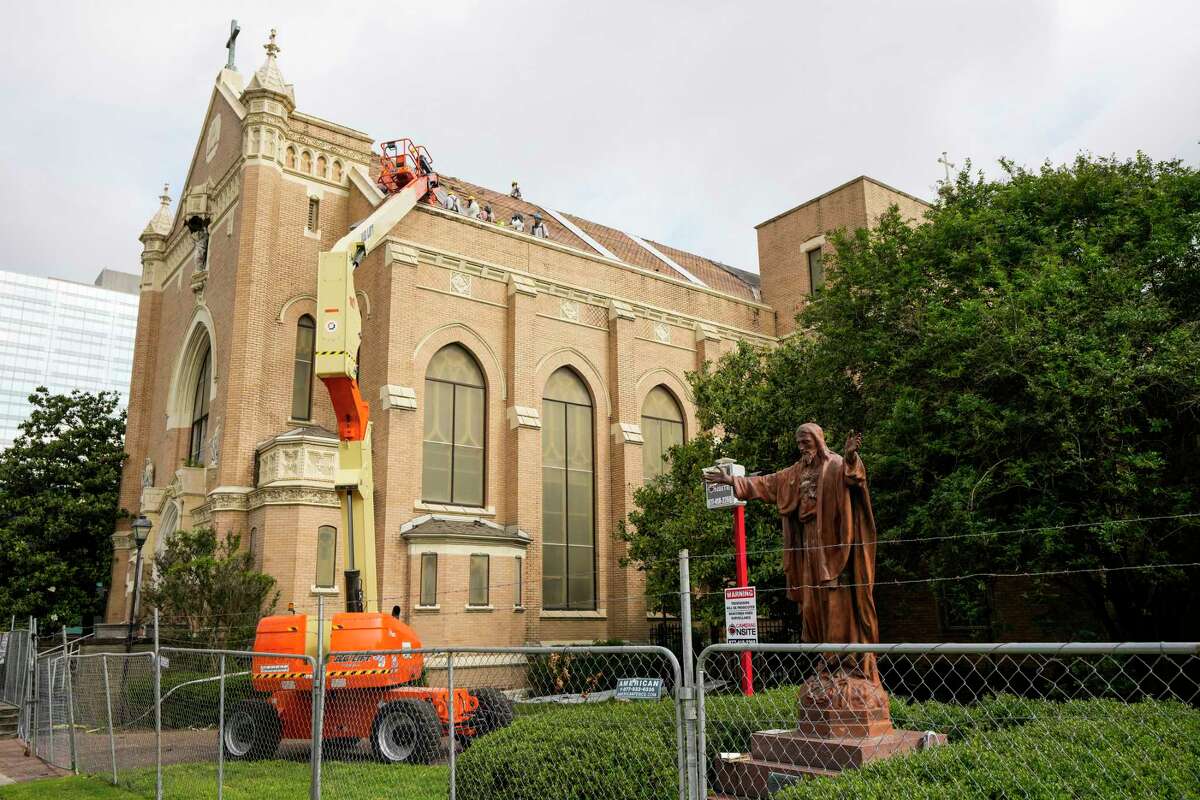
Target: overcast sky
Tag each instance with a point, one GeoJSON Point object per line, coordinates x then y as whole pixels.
{"type": "Point", "coordinates": [685, 122]}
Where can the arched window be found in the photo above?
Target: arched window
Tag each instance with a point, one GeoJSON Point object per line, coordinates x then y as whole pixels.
{"type": "Point", "coordinates": [305, 162]}
{"type": "Point", "coordinates": [302, 369]}
{"type": "Point", "coordinates": [290, 157]}
{"type": "Point", "coordinates": [568, 495]}
{"type": "Point", "coordinates": [662, 429]}
{"type": "Point", "coordinates": [452, 466]}
{"type": "Point", "coordinates": [200, 393]}
{"type": "Point", "coordinates": [320, 166]}
{"type": "Point", "coordinates": [337, 171]}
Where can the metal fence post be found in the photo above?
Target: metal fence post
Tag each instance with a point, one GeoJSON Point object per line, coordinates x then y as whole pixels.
{"type": "Point", "coordinates": [701, 743]}
{"type": "Point", "coordinates": [31, 692]}
{"type": "Point", "coordinates": [50, 709]}
{"type": "Point", "coordinates": [70, 687]}
{"type": "Point", "coordinates": [112, 745]}
{"type": "Point", "coordinates": [158, 789]}
{"type": "Point", "coordinates": [689, 685]}
{"type": "Point", "coordinates": [221, 733]}
{"type": "Point", "coordinates": [318, 704]}
{"type": "Point", "coordinates": [450, 705]}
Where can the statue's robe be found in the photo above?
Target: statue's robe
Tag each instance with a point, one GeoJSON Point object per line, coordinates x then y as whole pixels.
{"type": "Point", "coordinates": [829, 540]}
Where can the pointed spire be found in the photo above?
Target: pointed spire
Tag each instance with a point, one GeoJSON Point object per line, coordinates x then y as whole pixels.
{"type": "Point", "coordinates": [268, 75]}
{"type": "Point", "coordinates": [160, 223]}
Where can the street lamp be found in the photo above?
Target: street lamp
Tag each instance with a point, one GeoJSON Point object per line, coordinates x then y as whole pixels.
{"type": "Point", "coordinates": [141, 532]}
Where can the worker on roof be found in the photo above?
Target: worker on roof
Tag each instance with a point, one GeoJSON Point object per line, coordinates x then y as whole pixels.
{"type": "Point", "coordinates": [517, 222]}
{"type": "Point", "coordinates": [488, 214]}
{"type": "Point", "coordinates": [516, 191]}
{"type": "Point", "coordinates": [452, 202]}
{"type": "Point", "coordinates": [473, 209]}
{"type": "Point", "coordinates": [539, 227]}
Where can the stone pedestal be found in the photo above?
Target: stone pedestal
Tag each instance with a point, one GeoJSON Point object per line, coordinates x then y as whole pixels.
{"type": "Point", "coordinates": [844, 724]}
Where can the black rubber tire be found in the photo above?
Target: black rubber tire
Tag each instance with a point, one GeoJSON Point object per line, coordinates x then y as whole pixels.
{"type": "Point", "coordinates": [406, 732]}
{"type": "Point", "coordinates": [495, 711]}
{"type": "Point", "coordinates": [252, 731]}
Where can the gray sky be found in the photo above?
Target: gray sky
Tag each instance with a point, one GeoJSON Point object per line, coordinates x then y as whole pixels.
{"type": "Point", "coordinates": [687, 122]}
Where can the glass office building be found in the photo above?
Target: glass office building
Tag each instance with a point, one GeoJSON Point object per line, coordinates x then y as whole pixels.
{"type": "Point", "coordinates": [63, 336]}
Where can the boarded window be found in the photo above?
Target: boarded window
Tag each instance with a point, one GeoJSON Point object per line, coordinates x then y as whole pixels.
{"type": "Point", "coordinates": [568, 495]}
{"type": "Point", "coordinates": [429, 579]}
{"type": "Point", "coordinates": [662, 429]}
{"type": "Point", "coordinates": [478, 590]}
{"type": "Point", "coordinates": [326, 557]}
{"type": "Point", "coordinates": [314, 214]}
{"type": "Point", "coordinates": [816, 271]}
{"type": "Point", "coordinates": [302, 368]}
{"type": "Point", "coordinates": [452, 468]}
{"type": "Point", "coordinates": [200, 398]}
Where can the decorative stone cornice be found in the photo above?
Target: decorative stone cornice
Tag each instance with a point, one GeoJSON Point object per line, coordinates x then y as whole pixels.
{"type": "Point", "coordinates": [620, 310]}
{"type": "Point", "coordinates": [298, 458]}
{"type": "Point", "coordinates": [399, 254]}
{"type": "Point", "coordinates": [706, 333]}
{"type": "Point", "coordinates": [520, 284]}
{"type": "Point", "coordinates": [627, 433]}
{"type": "Point", "coordinates": [524, 417]}
{"type": "Point", "coordinates": [400, 397]}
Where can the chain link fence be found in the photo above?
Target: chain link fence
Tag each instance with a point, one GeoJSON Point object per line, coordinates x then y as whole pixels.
{"type": "Point", "coordinates": [1010, 720]}
{"type": "Point", "coordinates": [611, 722]}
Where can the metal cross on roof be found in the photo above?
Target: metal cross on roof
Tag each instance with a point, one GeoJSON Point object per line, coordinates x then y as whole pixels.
{"type": "Point", "coordinates": [231, 43]}
{"type": "Point", "coordinates": [945, 162]}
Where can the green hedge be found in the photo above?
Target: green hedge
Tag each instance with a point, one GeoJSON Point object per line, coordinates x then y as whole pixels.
{"type": "Point", "coordinates": [999, 746]}
{"type": "Point", "coordinates": [195, 705]}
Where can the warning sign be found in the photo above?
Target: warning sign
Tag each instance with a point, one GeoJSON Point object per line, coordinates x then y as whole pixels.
{"type": "Point", "coordinates": [741, 615]}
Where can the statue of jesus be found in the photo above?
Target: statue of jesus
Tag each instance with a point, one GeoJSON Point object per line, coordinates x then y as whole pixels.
{"type": "Point", "coordinates": [829, 556]}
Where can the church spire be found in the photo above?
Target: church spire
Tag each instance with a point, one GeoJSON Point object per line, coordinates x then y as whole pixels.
{"type": "Point", "coordinates": [160, 223]}
{"type": "Point", "coordinates": [268, 75]}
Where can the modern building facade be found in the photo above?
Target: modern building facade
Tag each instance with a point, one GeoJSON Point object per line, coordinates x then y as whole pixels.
{"type": "Point", "coordinates": [521, 387]}
{"type": "Point", "coordinates": [64, 336]}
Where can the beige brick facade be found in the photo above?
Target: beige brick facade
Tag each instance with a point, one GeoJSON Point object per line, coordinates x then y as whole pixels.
{"type": "Point", "coordinates": [522, 307]}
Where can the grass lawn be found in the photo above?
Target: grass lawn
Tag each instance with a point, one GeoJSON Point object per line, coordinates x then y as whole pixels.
{"type": "Point", "coordinates": [260, 780]}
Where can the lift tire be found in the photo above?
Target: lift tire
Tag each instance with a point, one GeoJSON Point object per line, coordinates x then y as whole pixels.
{"type": "Point", "coordinates": [495, 711]}
{"type": "Point", "coordinates": [252, 731]}
{"type": "Point", "coordinates": [406, 732]}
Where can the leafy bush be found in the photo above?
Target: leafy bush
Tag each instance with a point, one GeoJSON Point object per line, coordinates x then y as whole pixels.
{"type": "Point", "coordinates": [582, 673]}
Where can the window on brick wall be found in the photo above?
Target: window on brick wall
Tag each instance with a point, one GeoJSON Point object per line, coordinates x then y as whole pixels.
{"type": "Point", "coordinates": [452, 466]}
{"type": "Point", "coordinates": [478, 580]}
{"type": "Point", "coordinates": [326, 557]}
{"type": "Point", "coordinates": [662, 429]}
{"type": "Point", "coordinates": [302, 368]}
{"type": "Point", "coordinates": [429, 579]}
{"type": "Point", "coordinates": [816, 270]}
{"type": "Point", "coordinates": [519, 583]}
{"type": "Point", "coordinates": [314, 214]}
{"type": "Point", "coordinates": [568, 495]}
{"type": "Point", "coordinates": [200, 397]}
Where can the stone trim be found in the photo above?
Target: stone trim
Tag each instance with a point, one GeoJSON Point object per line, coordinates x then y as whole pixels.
{"type": "Point", "coordinates": [599, 613]}
{"type": "Point", "coordinates": [620, 310]}
{"type": "Point", "coordinates": [524, 417]}
{"type": "Point", "coordinates": [399, 397]}
{"type": "Point", "coordinates": [447, 508]}
{"type": "Point", "coordinates": [627, 433]}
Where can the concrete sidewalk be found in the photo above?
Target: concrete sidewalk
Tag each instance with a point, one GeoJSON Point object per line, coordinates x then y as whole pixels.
{"type": "Point", "coordinates": [16, 767]}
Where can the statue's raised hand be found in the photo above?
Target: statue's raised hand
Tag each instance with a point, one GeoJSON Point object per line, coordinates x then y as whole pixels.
{"type": "Point", "coordinates": [853, 442]}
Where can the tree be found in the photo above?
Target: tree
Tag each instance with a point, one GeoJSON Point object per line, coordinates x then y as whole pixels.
{"type": "Point", "coordinates": [207, 590]}
{"type": "Point", "coordinates": [1024, 361]}
{"type": "Point", "coordinates": [59, 484]}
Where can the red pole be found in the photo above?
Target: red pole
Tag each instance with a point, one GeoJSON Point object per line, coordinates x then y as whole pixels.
{"type": "Point", "coordinates": [743, 580]}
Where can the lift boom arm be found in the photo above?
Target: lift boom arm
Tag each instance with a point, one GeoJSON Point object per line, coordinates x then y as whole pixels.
{"type": "Point", "coordinates": [339, 334]}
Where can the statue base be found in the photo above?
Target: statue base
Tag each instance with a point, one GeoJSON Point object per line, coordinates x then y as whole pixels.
{"type": "Point", "coordinates": [844, 723]}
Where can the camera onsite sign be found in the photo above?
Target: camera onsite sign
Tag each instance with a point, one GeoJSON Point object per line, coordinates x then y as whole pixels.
{"type": "Point", "coordinates": [741, 615]}
{"type": "Point", "coordinates": [718, 495]}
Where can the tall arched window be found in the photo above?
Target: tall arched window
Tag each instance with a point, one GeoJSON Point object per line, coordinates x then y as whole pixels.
{"type": "Point", "coordinates": [200, 392]}
{"type": "Point", "coordinates": [568, 495]}
{"type": "Point", "coordinates": [662, 429]}
{"type": "Point", "coordinates": [452, 464]}
{"type": "Point", "coordinates": [305, 161]}
{"type": "Point", "coordinates": [302, 369]}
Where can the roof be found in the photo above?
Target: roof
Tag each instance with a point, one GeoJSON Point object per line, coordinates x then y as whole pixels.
{"type": "Point", "coordinates": [851, 182]}
{"type": "Point", "coordinates": [713, 274]}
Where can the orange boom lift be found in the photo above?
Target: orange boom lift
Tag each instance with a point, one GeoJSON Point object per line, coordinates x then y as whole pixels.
{"type": "Point", "coordinates": [373, 697]}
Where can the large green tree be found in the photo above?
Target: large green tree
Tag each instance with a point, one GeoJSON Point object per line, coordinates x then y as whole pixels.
{"type": "Point", "coordinates": [59, 483]}
{"type": "Point", "coordinates": [207, 591]}
{"type": "Point", "coordinates": [1026, 360]}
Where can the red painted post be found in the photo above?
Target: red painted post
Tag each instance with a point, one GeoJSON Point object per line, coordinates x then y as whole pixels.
{"type": "Point", "coordinates": [743, 580]}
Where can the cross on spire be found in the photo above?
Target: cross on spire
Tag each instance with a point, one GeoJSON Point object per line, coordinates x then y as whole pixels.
{"type": "Point", "coordinates": [231, 44]}
{"type": "Point", "coordinates": [165, 197]}
{"type": "Point", "coordinates": [271, 48]}
{"type": "Point", "coordinates": [948, 164]}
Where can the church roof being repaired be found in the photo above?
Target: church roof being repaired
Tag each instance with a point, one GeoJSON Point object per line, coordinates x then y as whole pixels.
{"type": "Point", "coordinates": [592, 237]}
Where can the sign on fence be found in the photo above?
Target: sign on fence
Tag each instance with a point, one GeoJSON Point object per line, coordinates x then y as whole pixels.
{"type": "Point", "coordinates": [718, 495]}
{"type": "Point", "coordinates": [639, 688]}
{"type": "Point", "coordinates": [741, 615]}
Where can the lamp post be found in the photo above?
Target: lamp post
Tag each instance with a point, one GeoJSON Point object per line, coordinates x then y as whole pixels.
{"type": "Point", "coordinates": [141, 532]}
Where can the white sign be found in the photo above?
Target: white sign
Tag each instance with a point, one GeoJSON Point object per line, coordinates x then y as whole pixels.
{"type": "Point", "coordinates": [741, 615]}
{"type": "Point", "coordinates": [719, 495]}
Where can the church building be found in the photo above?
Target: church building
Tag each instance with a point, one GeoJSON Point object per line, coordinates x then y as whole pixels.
{"type": "Point", "coordinates": [521, 386]}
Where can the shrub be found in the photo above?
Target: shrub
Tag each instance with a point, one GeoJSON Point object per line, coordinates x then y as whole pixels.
{"type": "Point", "coordinates": [190, 699]}
{"type": "Point", "coordinates": [582, 673]}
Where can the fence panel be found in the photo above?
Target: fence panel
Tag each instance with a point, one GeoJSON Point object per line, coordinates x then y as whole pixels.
{"type": "Point", "coordinates": [965, 720]}
{"type": "Point", "coordinates": [113, 699]}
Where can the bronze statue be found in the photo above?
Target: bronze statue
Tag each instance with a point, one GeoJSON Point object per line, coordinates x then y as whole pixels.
{"type": "Point", "coordinates": [829, 561]}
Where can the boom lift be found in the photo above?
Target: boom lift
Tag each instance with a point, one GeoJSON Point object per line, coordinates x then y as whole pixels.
{"type": "Point", "coordinates": [366, 697]}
